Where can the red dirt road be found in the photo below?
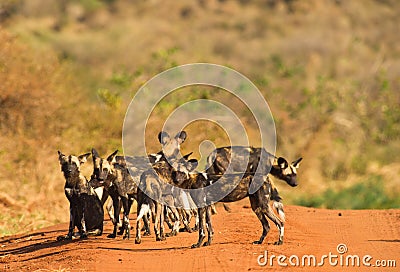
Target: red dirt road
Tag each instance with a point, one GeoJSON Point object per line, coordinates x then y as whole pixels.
{"type": "Point", "coordinates": [308, 232]}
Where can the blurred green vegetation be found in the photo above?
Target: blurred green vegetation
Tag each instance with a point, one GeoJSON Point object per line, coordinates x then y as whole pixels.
{"type": "Point", "coordinates": [329, 70]}
{"type": "Point", "coordinates": [367, 194]}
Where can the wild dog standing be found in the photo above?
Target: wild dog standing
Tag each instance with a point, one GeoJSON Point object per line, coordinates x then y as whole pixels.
{"type": "Point", "coordinates": [119, 184]}
{"type": "Point", "coordinates": [247, 159]}
{"type": "Point", "coordinates": [151, 182]}
{"type": "Point", "coordinates": [136, 166]}
{"type": "Point", "coordinates": [86, 210]}
{"type": "Point", "coordinates": [265, 201]}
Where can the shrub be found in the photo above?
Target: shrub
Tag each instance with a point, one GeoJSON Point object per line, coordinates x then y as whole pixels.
{"type": "Point", "coordinates": [368, 194]}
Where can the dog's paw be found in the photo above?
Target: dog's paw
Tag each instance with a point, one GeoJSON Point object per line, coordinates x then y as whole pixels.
{"type": "Point", "coordinates": [172, 233]}
{"type": "Point", "coordinates": [196, 228]}
{"type": "Point", "coordinates": [60, 238]}
{"type": "Point", "coordinates": [257, 243]}
{"type": "Point", "coordinates": [138, 241]}
{"type": "Point", "coordinates": [161, 238]}
{"type": "Point", "coordinates": [278, 243]}
{"type": "Point", "coordinates": [112, 235]}
{"type": "Point", "coordinates": [195, 245]}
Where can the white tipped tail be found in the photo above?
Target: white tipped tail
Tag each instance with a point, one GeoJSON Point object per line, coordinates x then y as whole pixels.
{"type": "Point", "coordinates": [144, 210]}
{"type": "Point", "coordinates": [278, 207]}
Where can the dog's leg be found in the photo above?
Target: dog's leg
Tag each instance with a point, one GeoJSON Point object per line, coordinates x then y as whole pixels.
{"type": "Point", "coordinates": [83, 232]}
{"type": "Point", "coordinates": [193, 213]}
{"type": "Point", "coordinates": [196, 225]}
{"type": "Point", "coordinates": [264, 222]}
{"type": "Point", "coordinates": [142, 211]}
{"type": "Point", "coordinates": [277, 221]}
{"type": "Point", "coordinates": [259, 202]}
{"type": "Point", "coordinates": [146, 221]}
{"type": "Point", "coordinates": [209, 227]}
{"type": "Point", "coordinates": [116, 205]}
{"type": "Point", "coordinates": [80, 219]}
{"type": "Point", "coordinates": [214, 209]}
{"type": "Point", "coordinates": [157, 221]}
{"type": "Point", "coordinates": [175, 228]}
{"type": "Point", "coordinates": [121, 227]}
{"type": "Point", "coordinates": [185, 200]}
{"type": "Point", "coordinates": [110, 211]}
{"type": "Point", "coordinates": [159, 218]}
{"type": "Point", "coordinates": [126, 225]}
{"type": "Point", "coordinates": [167, 218]}
{"type": "Point", "coordinates": [202, 235]}
{"type": "Point", "coordinates": [185, 218]}
{"type": "Point", "coordinates": [162, 233]}
{"type": "Point", "coordinates": [71, 222]}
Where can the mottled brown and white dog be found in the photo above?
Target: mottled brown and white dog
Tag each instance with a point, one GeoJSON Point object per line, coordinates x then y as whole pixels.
{"type": "Point", "coordinates": [265, 201]}
{"type": "Point", "coordinates": [86, 209]}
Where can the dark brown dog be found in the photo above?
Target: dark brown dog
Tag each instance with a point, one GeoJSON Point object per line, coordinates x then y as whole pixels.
{"type": "Point", "coordinates": [86, 209]}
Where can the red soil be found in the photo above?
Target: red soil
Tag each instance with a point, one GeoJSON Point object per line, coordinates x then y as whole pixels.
{"type": "Point", "coordinates": [308, 231]}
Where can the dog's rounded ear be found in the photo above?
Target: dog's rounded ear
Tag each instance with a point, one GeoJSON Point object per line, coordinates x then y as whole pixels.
{"type": "Point", "coordinates": [282, 163]}
{"type": "Point", "coordinates": [95, 154]}
{"type": "Point", "coordinates": [186, 157]}
{"type": "Point", "coordinates": [111, 158]}
{"type": "Point", "coordinates": [163, 137]}
{"type": "Point", "coordinates": [61, 156]}
{"type": "Point", "coordinates": [296, 163]}
{"type": "Point", "coordinates": [192, 164]}
{"type": "Point", "coordinates": [83, 158]}
{"type": "Point", "coordinates": [181, 136]}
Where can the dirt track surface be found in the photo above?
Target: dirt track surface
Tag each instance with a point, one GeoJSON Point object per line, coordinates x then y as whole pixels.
{"type": "Point", "coordinates": [308, 231]}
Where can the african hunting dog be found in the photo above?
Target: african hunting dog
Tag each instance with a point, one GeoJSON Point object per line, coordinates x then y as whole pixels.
{"type": "Point", "coordinates": [121, 175]}
{"type": "Point", "coordinates": [86, 210]}
{"type": "Point", "coordinates": [243, 158]}
{"type": "Point", "coordinates": [136, 166]}
{"type": "Point", "coordinates": [152, 187]}
{"type": "Point", "coordinates": [119, 184]}
{"type": "Point", "coordinates": [265, 202]}
{"type": "Point", "coordinates": [247, 159]}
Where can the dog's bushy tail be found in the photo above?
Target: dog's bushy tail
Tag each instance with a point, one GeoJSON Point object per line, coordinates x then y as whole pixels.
{"type": "Point", "coordinates": [277, 205]}
{"type": "Point", "coordinates": [278, 209]}
{"type": "Point", "coordinates": [144, 210]}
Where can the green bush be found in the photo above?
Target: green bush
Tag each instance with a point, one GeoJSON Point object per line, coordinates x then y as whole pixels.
{"type": "Point", "coordinates": [368, 194]}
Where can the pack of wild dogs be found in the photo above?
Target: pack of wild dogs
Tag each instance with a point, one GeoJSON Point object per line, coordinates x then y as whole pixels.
{"type": "Point", "coordinates": [125, 179]}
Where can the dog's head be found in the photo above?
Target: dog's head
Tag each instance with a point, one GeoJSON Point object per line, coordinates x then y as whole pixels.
{"type": "Point", "coordinates": [171, 146]}
{"type": "Point", "coordinates": [70, 165]}
{"type": "Point", "coordinates": [285, 171]}
{"type": "Point", "coordinates": [180, 173]}
{"type": "Point", "coordinates": [102, 168]}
